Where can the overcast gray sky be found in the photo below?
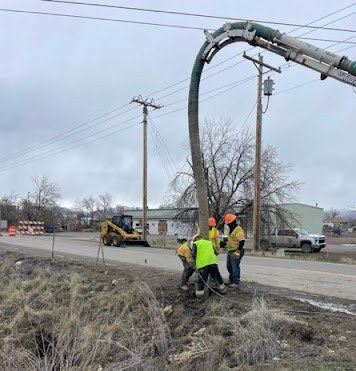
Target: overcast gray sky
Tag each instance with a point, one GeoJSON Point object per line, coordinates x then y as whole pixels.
{"type": "Point", "coordinates": [57, 74]}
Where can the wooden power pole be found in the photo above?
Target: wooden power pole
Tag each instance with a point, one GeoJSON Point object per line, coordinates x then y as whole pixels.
{"type": "Point", "coordinates": [145, 103]}
{"type": "Point", "coordinates": [257, 178]}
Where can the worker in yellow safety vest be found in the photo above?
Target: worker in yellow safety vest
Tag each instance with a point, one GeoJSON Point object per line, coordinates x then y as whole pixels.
{"type": "Point", "coordinates": [206, 263]}
{"type": "Point", "coordinates": [184, 253]}
{"type": "Point", "coordinates": [214, 235]}
{"type": "Point", "coordinates": [235, 249]}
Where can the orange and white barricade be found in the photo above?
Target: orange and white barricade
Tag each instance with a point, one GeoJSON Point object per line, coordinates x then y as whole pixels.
{"type": "Point", "coordinates": [31, 228]}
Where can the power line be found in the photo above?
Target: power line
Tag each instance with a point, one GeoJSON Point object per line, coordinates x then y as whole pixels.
{"type": "Point", "coordinates": [62, 136]}
{"type": "Point", "coordinates": [50, 153]}
{"type": "Point", "coordinates": [164, 114]}
{"type": "Point", "coordinates": [102, 19]}
{"type": "Point", "coordinates": [163, 145]}
{"type": "Point", "coordinates": [239, 54]}
{"type": "Point", "coordinates": [145, 23]}
{"type": "Point", "coordinates": [66, 134]}
{"type": "Point", "coordinates": [160, 153]}
{"type": "Point", "coordinates": [198, 14]}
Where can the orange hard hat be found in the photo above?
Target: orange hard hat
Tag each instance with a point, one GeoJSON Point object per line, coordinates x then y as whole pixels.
{"type": "Point", "coordinates": [229, 218]}
{"type": "Point", "coordinates": [212, 222]}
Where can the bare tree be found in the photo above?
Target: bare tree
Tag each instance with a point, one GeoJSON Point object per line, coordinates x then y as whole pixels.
{"type": "Point", "coordinates": [104, 205]}
{"type": "Point", "coordinates": [229, 167]}
{"type": "Point", "coordinates": [44, 198]}
{"type": "Point", "coordinates": [8, 209]}
{"type": "Point", "coordinates": [332, 213]}
{"type": "Point", "coordinates": [89, 204]}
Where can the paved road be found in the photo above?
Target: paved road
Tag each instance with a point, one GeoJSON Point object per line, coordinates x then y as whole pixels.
{"type": "Point", "coordinates": [338, 280]}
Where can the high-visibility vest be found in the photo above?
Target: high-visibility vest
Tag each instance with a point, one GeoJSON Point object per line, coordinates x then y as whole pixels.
{"type": "Point", "coordinates": [214, 237]}
{"type": "Point", "coordinates": [185, 251]}
{"type": "Point", "coordinates": [234, 238]}
{"type": "Point", "coordinates": [205, 254]}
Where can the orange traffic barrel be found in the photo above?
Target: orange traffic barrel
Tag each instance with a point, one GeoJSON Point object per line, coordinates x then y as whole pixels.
{"type": "Point", "coordinates": [12, 231]}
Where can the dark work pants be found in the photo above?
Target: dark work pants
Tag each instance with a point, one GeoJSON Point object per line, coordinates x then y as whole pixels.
{"type": "Point", "coordinates": [203, 275]}
{"type": "Point", "coordinates": [233, 265]}
{"type": "Point", "coordinates": [187, 270]}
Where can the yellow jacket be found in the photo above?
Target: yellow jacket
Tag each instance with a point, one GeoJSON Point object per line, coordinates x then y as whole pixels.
{"type": "Point", "coordinates": [234, 238]}
{"type": "Point", "coordinates": [214, 237]}
{"type": "Point", "coordinates": [185, 251]}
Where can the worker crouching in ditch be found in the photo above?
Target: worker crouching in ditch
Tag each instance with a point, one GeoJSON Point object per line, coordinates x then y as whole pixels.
{"type": "Point", "coordinates": [206, 263]}
{"type": "Point", "coordinates": [184, 253]}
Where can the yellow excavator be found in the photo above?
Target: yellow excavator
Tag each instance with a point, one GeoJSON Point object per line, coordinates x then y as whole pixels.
{"type": "Point", "coordinates": [119, 232]}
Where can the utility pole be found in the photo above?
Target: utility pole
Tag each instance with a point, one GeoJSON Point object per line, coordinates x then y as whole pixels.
{"type": "Point", "coordinates": [145, 103]}
{"type": "Point", "coordinates": [257, 177]}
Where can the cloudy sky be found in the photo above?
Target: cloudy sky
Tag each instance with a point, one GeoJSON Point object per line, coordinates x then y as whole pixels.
{"type": "Point", "coordinates": [66, 86]}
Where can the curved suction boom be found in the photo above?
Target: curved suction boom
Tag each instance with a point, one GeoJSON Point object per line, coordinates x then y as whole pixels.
{"type": "Point", "coordinates": [326, 63]}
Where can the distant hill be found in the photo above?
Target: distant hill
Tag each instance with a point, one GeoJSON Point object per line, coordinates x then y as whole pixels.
{"type": "Point", "coordinates": [346, 213]}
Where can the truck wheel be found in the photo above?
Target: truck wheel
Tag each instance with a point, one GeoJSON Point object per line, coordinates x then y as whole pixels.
{"type": "Point", "coordinates": [264, 245]}
{"type": "Point", "coordinates": [116, 240]}
{"type": "Point", "coordinates": [107, 240]}
{"type": "Point", "coordinates": [306, 248]}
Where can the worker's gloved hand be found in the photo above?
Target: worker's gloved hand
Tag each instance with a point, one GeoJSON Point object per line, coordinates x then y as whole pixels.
{"type": "Point", "coordinates": [236, 254]}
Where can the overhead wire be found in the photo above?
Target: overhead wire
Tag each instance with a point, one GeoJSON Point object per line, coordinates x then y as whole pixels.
{"type": "Point", "coordinates": [145, 23]}
{"type": "Point", "coordinates": [238, 55]}
{"type": "Point", "coordinates": [65, 134]}
{"type": "Point", "coordinates": [163, 143]}
{"type": "Point", "coordinates": [162, 150]}
{"type": "Point", "coordinates": [53, 151]}
{"type": "Point", "coordinates": [159, 151]}
{"type": "Point", "coordinates": [101, 19]}
{"type": "Point", "coordinates": [237, 83]}
{"type": "Point", "coordinates": [198, 14]}
{"type": "Point", "coordinates": [48, 154]}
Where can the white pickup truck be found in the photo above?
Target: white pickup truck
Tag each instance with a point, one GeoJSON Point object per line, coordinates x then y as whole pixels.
{"type": "Point", "coordinates": [294, 239]}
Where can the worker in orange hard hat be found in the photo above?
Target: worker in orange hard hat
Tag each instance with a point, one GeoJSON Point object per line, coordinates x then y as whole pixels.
{"type": "Point", "coordinates": [235, 249]}
{"type": "Point", "coordinates": [214, 235]}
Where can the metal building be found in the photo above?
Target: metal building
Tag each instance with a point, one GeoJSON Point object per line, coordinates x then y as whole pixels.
{"type": "Point", "coordinates": [307, 216]}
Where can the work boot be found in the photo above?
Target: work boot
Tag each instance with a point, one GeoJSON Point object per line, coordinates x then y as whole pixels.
{"type": "Point", "coordinates": [222, 289]}
{"type": "Point", "coordinates": [200, 294]}
{"type": "Point", "coordinates": [234, 285]}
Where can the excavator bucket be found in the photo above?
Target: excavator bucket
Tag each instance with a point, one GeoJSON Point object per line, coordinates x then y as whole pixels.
{"type": "Point", "coordinates": [143, 243]}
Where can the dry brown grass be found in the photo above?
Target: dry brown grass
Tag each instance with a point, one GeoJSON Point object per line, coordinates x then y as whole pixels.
{"type": "Point", "coordinates": [73, 316]}
{"type": "Point", "coordinates": [237, 340]}
{"type": "Point", "coordinates": [63, 322]}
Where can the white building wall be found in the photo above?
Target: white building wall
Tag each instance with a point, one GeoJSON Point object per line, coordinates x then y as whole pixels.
{"type": "Point", "coordinates": [172, 225]}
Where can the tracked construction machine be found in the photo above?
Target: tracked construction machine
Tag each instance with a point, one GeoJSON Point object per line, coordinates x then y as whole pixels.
{"type": "Point", "coordinates": [119, 232]}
